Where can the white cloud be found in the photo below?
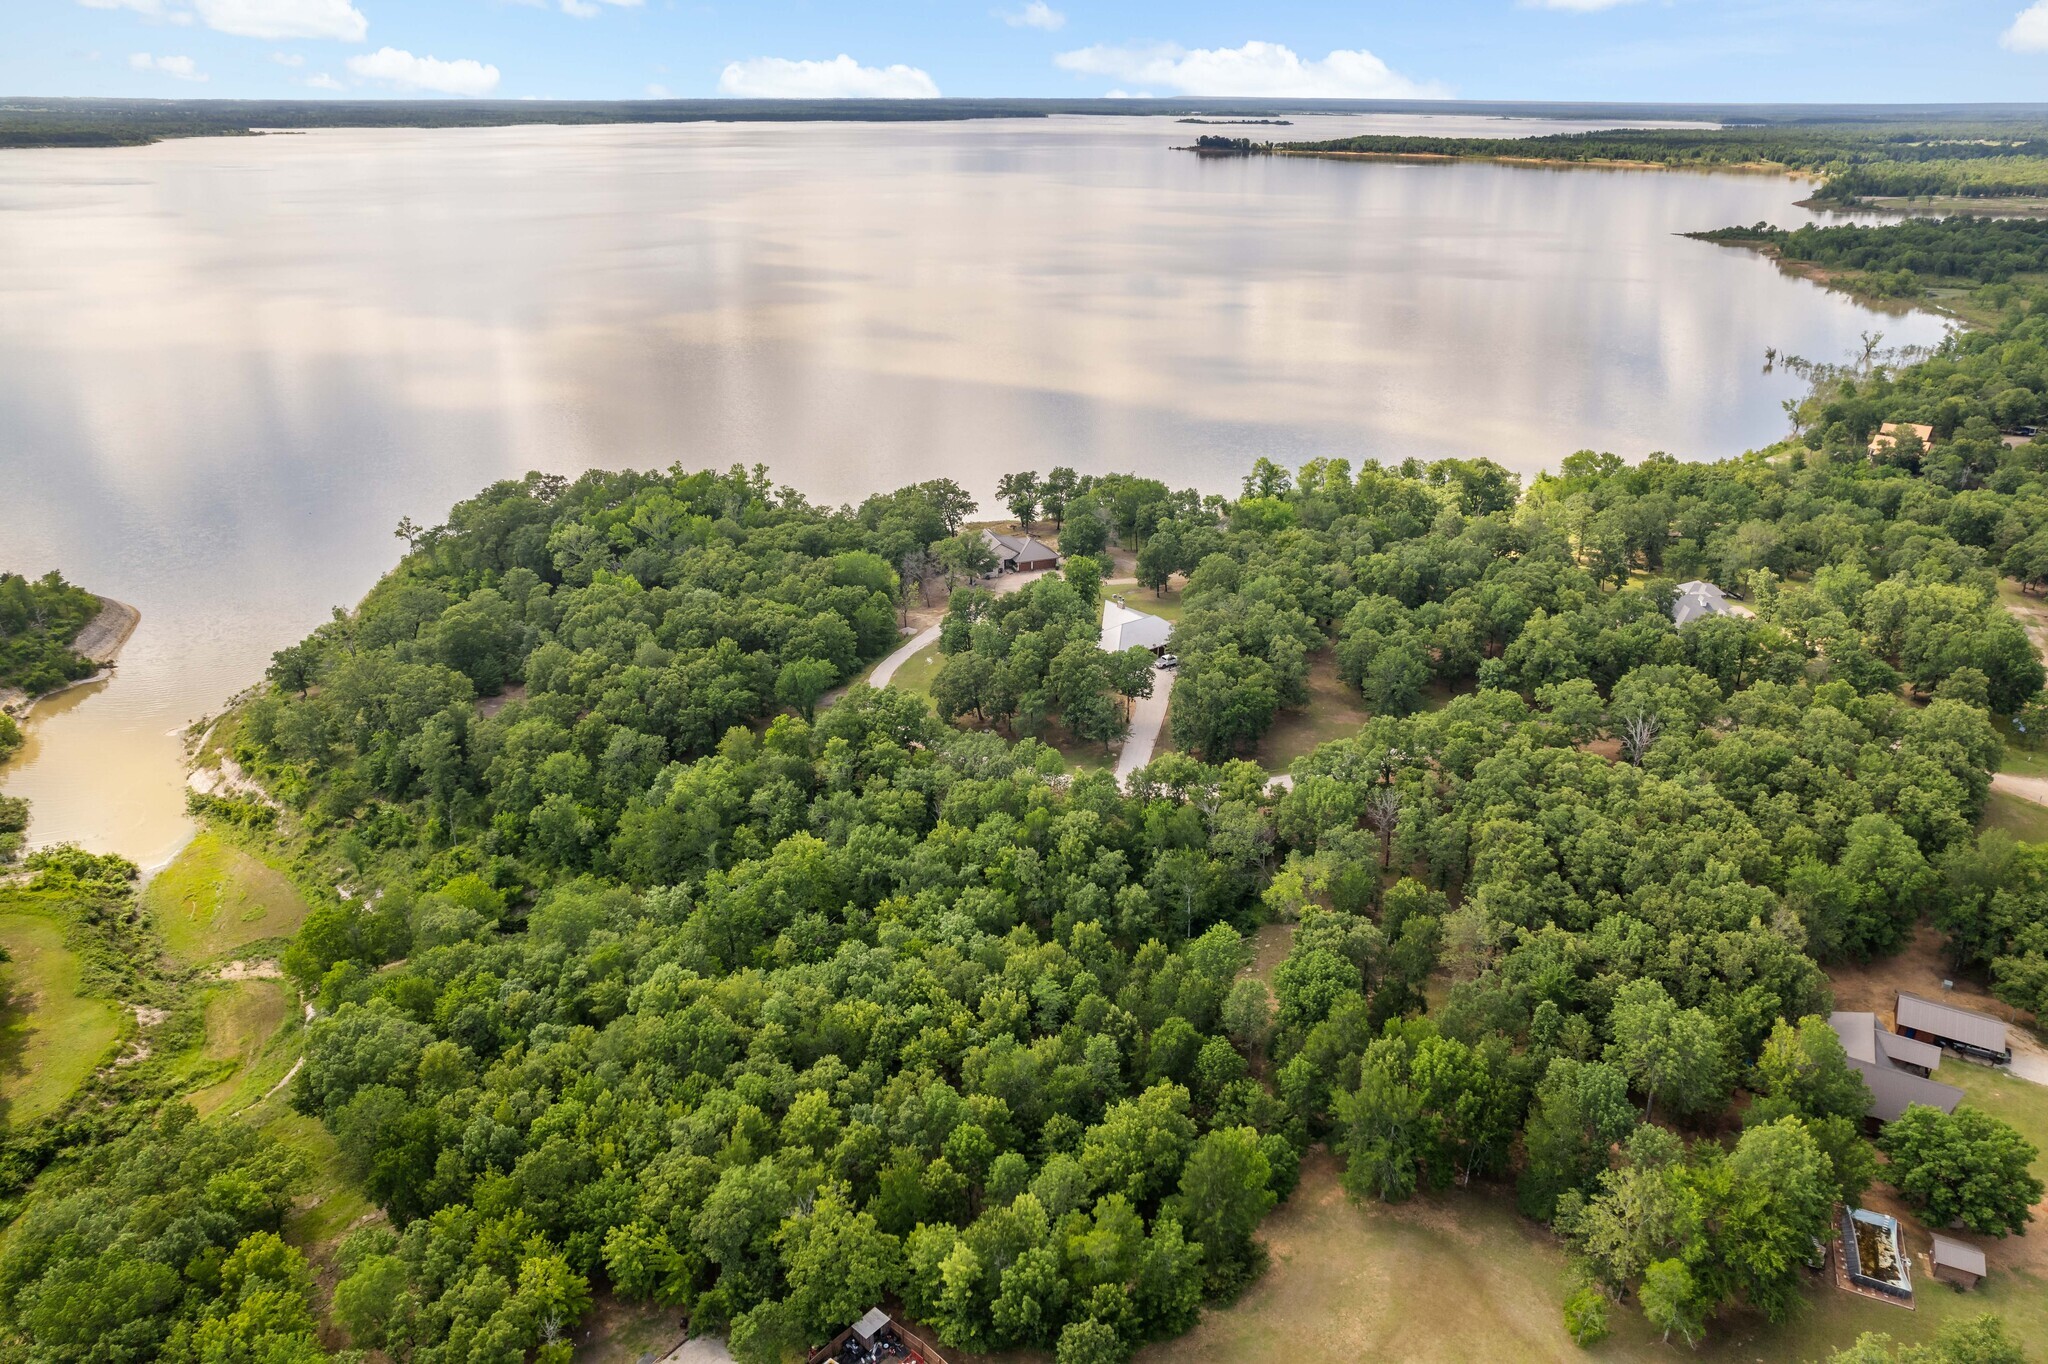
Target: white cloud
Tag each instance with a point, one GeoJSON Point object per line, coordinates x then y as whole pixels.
{"type": "Point", "coordinates": [180, 67]}
{"type": "Point", "coordinates": [1037, 14]}
{"type": "Point", "coordinates": [656, 90]}
{"type": "Point", "coordinates": [1579, 6]}
{"type": "Point", "coordinates": [1269, 70]}
{"type": "Point", "coordinates": [840, 78]}
{"type": "Point", "coordinates": [320, 80]}
{"type": "Point", "coordinates": [2029, 31]}
{"type": "Point", "coordinates": [149, 9]}
{"type": "Point", "coordinates": [395, 67]}
{"type": "Point", "coordinates": [1127, 94]}
{"type": "Point", "coordinates": [287, 59]}
{"type": "Point", "coordinates": [590, 9]}
{"type": "Point", "coordinates": [286, 18]}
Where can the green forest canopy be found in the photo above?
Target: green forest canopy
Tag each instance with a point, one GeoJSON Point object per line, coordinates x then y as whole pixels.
{"type": "Point", "coordinates": [39, 619]}
{"type": "Point", "coordinates": [648, 984]}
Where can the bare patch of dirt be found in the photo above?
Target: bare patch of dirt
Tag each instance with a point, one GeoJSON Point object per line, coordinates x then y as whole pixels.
{"type": "Point", "coordinates": [250, 970]}
{"type": "Point", "coordinates": [1919, 969]}
{"type": "Point", "coordinates": [491, 705]}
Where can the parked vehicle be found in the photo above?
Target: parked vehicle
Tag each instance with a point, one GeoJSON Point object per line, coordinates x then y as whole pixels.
{"type": "Point", "coordinates": [1168, 661]}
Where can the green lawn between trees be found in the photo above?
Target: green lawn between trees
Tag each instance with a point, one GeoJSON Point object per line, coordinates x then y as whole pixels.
{"type": "Point", "coordinates": [52, 1034]}
{"type": "Point", "coordinates": [215, 897]}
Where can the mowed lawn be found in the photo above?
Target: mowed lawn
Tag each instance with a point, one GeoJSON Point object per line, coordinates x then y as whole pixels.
{"type": "Point", "coordinates": [241, 1018]}
{"type": "Point", "coordinates": [1334, 711]}
{"type": "Point", "coordinates": [917, 671]}
{"type": "Point", "coordinates": [1461, 1277]}
{"type": "Point", "coordinates": [51, 1036]}
{"type": "Point", "coordinates": [216, 897]}
{"type": "Point", "coordinates": [2023, 819]}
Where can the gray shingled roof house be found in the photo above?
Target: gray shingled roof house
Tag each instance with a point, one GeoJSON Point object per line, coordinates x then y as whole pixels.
{"type": "Point", "coordinates": [1697, 600]}
{"type": "Point", "coordinates": [1020, 553]}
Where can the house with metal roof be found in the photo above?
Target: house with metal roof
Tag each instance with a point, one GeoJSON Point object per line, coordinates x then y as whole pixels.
{"type": "Point", "coordinates": [1960, 1030]}
{"type": "Point", "coordinates": [1697, 600]}
{"type": "Point", "coordinates": [1123, 628]}
{"type": "Point", "coordinates": [1956, 1262]}
{"type": "Point", "coordinates": [1895, 1068]}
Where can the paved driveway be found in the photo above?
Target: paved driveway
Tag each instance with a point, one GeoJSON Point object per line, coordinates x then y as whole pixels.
{"type": "Point", "coordinates": [1148, 717]}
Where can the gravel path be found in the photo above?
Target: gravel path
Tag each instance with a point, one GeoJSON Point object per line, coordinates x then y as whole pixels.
{"type": "Point", "coordinates": [2034, 789]}
{"type": "Point", "coordinates": [886, 669]}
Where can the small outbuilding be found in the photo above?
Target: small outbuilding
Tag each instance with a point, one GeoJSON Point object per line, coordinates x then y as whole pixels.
{"type": "Point", "coordinates": [1020, 553]}
{"type": "Point", "coordinates": [1956, 1262]}
{"type": "Point", "coordinates": [1962, 1031]}
{"type": "Point", "coordinates": [1697, 600]}
{"type": "Point", "coordinates": [1123, 628]}
{"type": "Point", "coordinates": [870, 1327]}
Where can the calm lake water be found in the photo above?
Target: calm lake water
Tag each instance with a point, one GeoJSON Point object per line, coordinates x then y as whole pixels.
{"type": "Point", "coordinates": [229, 366]}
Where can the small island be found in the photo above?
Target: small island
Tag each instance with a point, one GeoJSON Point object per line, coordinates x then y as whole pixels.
{"type": "Point", "coordinates": [54, 635]}
{"type": "Point", "coordinates": [1211, 145]}
{"type": "Point", "coordinates": [1240, 122]}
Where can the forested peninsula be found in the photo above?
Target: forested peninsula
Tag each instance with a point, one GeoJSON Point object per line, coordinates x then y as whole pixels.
{"type": "Point", "coordinates": [653, 958]}
{"type": "Point", "coordinates": [1856, 162]}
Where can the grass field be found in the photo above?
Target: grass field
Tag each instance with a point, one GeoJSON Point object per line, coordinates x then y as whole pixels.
{"type": "Point", "coordinates": [51, 1036]}
{"type": "Point", "coordinates": [1461, 1277]}
{"type": "Point", "coordinates": [2021, 762]}
{"type": "Point", "coordinates": [216, 897]}
{"type": "Point", "coordinates": [241, 1018]}
{"type": "Point", "coordinates": [331, 1204]}
{"type": "Point", "coordinates": [1334, 711]}
{"type": "Point", "coordinates": [917, 671]}
{"type": "Point", "coordinates": [2022, 819]}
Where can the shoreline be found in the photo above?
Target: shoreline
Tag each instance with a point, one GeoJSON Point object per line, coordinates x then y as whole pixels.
{"type": "Point", "coordinates": [1836, 279]}
{"type": "Point", "coordinates": [1568, 163]}
{"type": "Point", "coordinates": [99, 641]}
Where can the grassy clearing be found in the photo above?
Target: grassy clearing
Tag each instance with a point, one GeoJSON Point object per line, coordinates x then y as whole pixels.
{"type": "Point", "coordinates": [1460, 1277]}
{"type": "Point", "coordinates": [51, 1036]}
{"type": "Point", "coordinates": [2019, 761]}
{"type": "Point", "coordinates": [1455, 1278]}
{"type": "Point", "coordinates": [215, 897]}
{"type": "Point", "coordinates": [241, 1019]}
{"type": "Point", "coordinates": [916, 673]}
{"type": "Point", "coordinates": [616, 1332]}
{"type": "Point", "coordinates": [1167, 607]}
{"type": "Point", "coordinates": [331, 1205]}
{"type": "Point", "coordinates": [1334, 711]}
{"type": "Point", "coordinates": [2022, 819]}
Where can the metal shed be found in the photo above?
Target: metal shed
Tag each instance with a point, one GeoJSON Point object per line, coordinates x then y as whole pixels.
{"type": "Point", "coordinates": [1972, 1034]}
{"type": "Point", "coordinates": [871, 1325]}
{"type": "Point", "coordinates": [1957, 1262]}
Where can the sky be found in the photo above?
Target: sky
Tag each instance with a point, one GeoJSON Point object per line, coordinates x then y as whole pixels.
{"type": "Point", "coordinates": [1875, 51]}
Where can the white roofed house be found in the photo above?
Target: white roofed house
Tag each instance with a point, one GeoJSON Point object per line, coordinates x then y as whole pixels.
{"type": "Point", "coordinates": [1123, 628]}
{"type": "Point", "coordinates": [1697, 600]}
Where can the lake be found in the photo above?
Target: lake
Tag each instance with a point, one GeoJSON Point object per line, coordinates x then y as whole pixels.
{"type": "Point", "coordinates": [229, 366]}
